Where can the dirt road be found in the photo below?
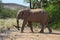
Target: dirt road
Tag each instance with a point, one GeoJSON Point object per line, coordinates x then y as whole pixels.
{"type": "Point", "coordinates": [14, 34]}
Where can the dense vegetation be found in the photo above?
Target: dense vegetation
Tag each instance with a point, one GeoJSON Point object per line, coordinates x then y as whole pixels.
{"type": "Point", "coordinates": [7, 13]}
{"type": "Point", "coordinates": [52, 7]}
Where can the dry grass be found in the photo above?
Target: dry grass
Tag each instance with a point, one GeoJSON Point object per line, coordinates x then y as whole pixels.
{"type": "Point", "coordinates": [9, 22]}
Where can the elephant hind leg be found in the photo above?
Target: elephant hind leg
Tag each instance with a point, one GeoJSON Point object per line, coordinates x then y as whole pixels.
{"type": "Point", "coordinates": [30, 25]}
{"type": "Point", "coordinates": [42, 29]}
{"type": "Point", "coordinates": [49, 28]}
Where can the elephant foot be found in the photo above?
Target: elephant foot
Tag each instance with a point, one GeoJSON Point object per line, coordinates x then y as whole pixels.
{"type": "Point", "coordinates": [32, 31]}
{"type": "Point", "coordinates": [41, 32]}
{"type": "Point", "coordinates": [22, 32]}
{"type": "Point", "coordinates": [17, 27]}
{"type": "Point", "coordinates": [50, 32]}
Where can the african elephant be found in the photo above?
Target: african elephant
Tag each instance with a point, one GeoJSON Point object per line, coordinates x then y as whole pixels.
{"type": "Point", "coordinates": [33, 15]}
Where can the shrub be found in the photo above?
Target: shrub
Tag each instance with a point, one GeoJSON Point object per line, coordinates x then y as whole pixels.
{"type": "Point", "coordinates": [7, 13]}
{"type": "Point", "coordinates": [54, 15]}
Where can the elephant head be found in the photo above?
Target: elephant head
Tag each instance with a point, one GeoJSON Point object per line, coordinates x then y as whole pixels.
{"type": "Point", "coordinates": [22, 14]}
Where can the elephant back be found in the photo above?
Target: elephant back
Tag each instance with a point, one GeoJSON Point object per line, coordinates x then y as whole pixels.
{"type": "Point", "coordinates": [38, 15]}
{"type": "Point", "coordinates": [36, 10]}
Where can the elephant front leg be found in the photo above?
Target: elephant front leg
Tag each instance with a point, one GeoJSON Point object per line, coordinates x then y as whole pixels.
{"type": "Point", "coordinates": [30, 25]}
{"type": "Point", "coordinates": [24, 22]}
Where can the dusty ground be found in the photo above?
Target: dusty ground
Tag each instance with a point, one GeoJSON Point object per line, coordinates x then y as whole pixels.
{"type": "Point", "coordinates": [14, 34]}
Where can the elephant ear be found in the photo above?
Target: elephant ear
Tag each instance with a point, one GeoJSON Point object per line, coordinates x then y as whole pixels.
{"type": "Point", "coordinates": [26, 13]}
{"type": "Point", "coordinates": [19, 14]}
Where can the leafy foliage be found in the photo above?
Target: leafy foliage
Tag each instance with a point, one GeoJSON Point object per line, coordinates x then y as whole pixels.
{"type": "Point", "coordinates": [54, 14]}
{"type": "Point", "coordinates": [53, 9]}
{"type": "Point", "coordinates": [1, 5]}
{"type": "Point", "coordinates": [7, 13]}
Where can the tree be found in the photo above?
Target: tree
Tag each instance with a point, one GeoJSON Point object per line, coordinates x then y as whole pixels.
{"type": "Point", "coordinates": [0, 5]}
{"type": "Point", "coordinates": [52, 7]}
{"type": "Point", "coordinates": [38, 3]}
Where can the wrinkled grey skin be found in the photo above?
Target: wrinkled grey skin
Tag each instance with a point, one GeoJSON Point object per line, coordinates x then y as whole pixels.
{"type": "Point", "coordinates": [29, 16]}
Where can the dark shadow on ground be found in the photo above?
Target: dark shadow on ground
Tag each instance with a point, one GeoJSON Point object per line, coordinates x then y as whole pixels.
{"type": "Point", "coordinates": [52, 33]}
{"type": "Point", "coordinates": [45, 33]}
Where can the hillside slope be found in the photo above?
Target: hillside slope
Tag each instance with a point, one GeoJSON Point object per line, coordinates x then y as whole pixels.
{"type": "Point", "coordinates": [14, 6]}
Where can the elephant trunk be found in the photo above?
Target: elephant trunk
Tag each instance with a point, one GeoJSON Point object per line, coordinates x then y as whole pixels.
{"type": "Point", "coordinates": [18, 24]}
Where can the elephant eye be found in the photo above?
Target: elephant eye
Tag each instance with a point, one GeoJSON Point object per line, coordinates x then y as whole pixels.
{"type": "Point", "coordinates": [22, 14]}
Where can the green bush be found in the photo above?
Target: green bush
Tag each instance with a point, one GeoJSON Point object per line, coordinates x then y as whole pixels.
{"type": "Point", "coordinates": [7, 13]}
{"type": "Point", "coordinates": [54, 15]}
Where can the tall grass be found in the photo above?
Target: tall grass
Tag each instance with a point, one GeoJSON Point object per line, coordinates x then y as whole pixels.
{"type": "Point", "coordinates": [8, 23]}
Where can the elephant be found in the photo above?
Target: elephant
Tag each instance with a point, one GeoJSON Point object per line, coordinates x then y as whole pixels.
{"type": "Point", "coordinates": [33, 15]}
